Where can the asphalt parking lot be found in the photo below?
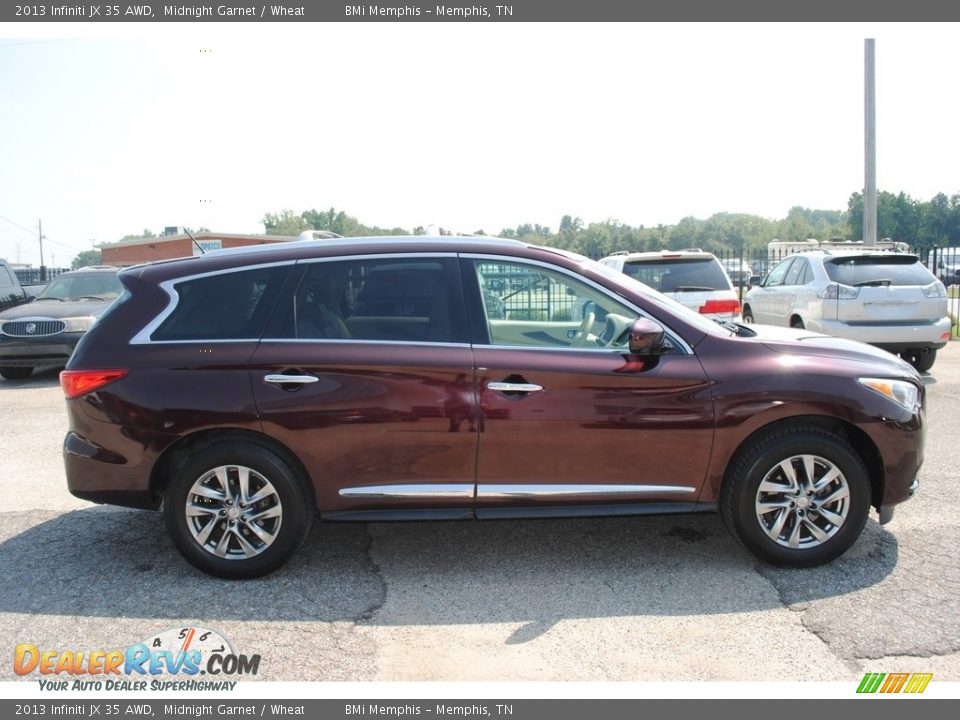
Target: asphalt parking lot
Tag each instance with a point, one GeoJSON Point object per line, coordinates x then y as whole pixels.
{"type": "Point", "coordinates": [645, 598]}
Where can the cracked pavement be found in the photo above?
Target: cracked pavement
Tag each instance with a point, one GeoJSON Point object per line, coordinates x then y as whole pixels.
{"type": "Point", "coordinates": [643, 598]}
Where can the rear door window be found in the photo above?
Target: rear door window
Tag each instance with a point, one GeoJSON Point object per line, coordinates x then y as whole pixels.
{"type": "Point", "coordinates": [384, 299]}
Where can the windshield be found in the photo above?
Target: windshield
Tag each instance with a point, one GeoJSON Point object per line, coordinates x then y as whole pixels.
{"type": "Point", "coordinates": [100, 286]}
{"type": "Point", "coordinates": [859, 270]}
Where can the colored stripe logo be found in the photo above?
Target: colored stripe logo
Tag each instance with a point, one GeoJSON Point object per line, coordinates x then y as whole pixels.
{"type": "Point", "coordinates": [894, 682]}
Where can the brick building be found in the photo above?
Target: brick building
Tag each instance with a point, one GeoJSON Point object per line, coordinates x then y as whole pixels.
{"type": "Point", "coordinates": [176, 245]}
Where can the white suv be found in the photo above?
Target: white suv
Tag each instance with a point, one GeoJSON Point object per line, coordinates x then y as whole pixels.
{"type": "Point", "coordinates": [886, 299]}
{"type": "Point", "coordinates": [692, 277]}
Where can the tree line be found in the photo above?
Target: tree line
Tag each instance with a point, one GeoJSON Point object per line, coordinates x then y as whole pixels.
{"type": "Point", "coordinates": [922, 224]}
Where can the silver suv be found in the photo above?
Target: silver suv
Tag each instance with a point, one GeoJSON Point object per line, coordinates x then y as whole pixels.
{"type": "Point", "coordinates": [691, 277]}
{"type": "Point", "coordinates": [886, 299]}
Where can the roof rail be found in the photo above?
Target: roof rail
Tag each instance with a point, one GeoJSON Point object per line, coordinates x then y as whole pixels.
{"type": "Point", "coordinates": [318, 235]}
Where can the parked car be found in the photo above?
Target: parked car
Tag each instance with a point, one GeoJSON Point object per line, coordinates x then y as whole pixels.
{"type": "Point", "coordinates": [243, 390]}
{"type": "Point", "coordinates": [44, 332]}
{"type": "Point", "coordinates": [886, 299]}
{"type": "Point", "coordinates": [694, 278]}
{"type": "Point", "coordinates": [12, 292]}
{"type": "Point", "coordinates": [738, 271]}
{"type": "Point", "coordinates": [945, 263]}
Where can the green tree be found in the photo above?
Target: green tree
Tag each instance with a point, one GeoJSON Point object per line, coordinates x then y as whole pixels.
{"type": "Point", "coordinates": [898, 217]}
{"type": "Point", "coordinates": [85, 258]}
{"type": "Point", "coordinates": [286, 222]}
{"type": "Point", "coordinates": [142, 236]}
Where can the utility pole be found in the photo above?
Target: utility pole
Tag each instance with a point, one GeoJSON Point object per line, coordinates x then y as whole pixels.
{"type": "Point", "coordinates": [43, 268]}
{"type": "Point", "coordinates": [870, 146]}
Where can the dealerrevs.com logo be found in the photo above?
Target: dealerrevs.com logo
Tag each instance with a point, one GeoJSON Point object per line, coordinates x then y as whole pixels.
{"type": "Point", "coordinates": [171, 660]}
{"type": "Point", "coordinates": [888, 683]}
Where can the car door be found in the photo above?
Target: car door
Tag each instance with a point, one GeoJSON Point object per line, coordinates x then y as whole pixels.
{"type": "Point", "coordinates": [366, 373]}
{"type": "Point", "coordinates": [770, 301]}
{"type": "Point", "coordinates": [570, 422]}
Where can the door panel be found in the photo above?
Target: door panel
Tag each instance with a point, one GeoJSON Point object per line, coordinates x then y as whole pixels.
{"type": "Point", "coordinates": [572, 418]}
{"type": "Point", "coordinates": [405, 417]}
{"type": "Point", "coordinates": [605, 428]}
{"type": "Point", "coordinates": [369, 380]}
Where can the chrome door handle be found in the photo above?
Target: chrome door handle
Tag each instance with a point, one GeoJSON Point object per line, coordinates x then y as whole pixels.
{"type": "Point", "coordinates": [291, 379]}
{"type": "Point", "coordinates": [514, 387]}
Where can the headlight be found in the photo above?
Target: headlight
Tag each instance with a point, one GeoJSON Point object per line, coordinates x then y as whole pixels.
{"type": "Point", "coordinates": [903, 393]}
{"type": "Point", "coordinates": [78, 324]}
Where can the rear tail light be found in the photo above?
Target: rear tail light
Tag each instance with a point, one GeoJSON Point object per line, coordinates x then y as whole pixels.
{"type": "Point", "coordinates": [720, 307]}
{"type": "Point", "coordinates": [838, 291]}
{"type": "Point", "coordinates": [80, 382]}
{"type": "Point", "coordinates": [935, 290]}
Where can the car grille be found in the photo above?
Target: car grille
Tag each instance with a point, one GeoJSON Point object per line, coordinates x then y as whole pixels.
{"type": "Point", "coordinates": [32, 328]}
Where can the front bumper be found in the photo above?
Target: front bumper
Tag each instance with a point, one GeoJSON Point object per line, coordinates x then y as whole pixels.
{"type": "Point", "coordinates": [38, 352]}
{"type": "Point", "coordinates": [886, 511]}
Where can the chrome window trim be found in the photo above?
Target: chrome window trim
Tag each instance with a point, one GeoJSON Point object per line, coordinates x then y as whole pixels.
{"type": "Point", "coordinates": [143, 337]}
{"type": "Point", "coordinates": [501, 491]}
{"type": "Point", "coordinates": [352, 341]}
{"type": "Point", "coordinates": [378, 256]}
{"type": "Point", "coordinates": [673, 335]}
{"type": "Point", "coordinates": [449, 491]}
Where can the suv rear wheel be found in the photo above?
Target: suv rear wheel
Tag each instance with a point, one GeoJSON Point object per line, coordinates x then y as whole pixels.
{"type": "Point", "coordinates": [797, 497]}
{"type": "Point", "coordinates": [237, 510]}
{"type": "Point", "coordinates": [920, 360]}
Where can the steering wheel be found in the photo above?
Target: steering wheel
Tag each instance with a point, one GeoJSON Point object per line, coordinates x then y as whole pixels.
{"type": "Point", "coordinates": [583, 332]}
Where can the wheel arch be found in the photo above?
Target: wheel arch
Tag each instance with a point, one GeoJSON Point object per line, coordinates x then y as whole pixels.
{"type": "Point", "coordinates": [861, 443]}
{"type": "Point", "coordinates": [173, 455]}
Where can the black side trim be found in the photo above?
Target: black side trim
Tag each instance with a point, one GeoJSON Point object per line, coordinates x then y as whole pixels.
{"type": "Point", "coordinates": [505, 513]}
{"type": "Point", "coordinates": [138, 500]}
{"type": "Point", "coordinates": [397, 515]}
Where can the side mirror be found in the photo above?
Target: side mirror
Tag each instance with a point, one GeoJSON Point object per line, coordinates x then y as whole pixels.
{"type": "Point", "coordinates": [755, 280]}
{"type": "Point", "coordinates": [646, 337]}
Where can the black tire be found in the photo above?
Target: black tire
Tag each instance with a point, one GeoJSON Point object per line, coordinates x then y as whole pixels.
{"type": "Point", "coordinates": [747, 314]}
{"type": "Point", "coordinates": [797, 323]}
{"type": "Point", "coordinates": [284, 491]}
{"type": "Point", "coordinates": [920, 360]}
{"type": "Point", "coordinates": [15, 373]}
{"type": "Point", "coordinates": [742, 501]}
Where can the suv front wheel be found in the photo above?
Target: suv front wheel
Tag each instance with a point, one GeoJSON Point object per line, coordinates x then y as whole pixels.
{"type": "Point", "coordinates": [797, 496]}
{"type": "Point", "coordinates": [237, 510]}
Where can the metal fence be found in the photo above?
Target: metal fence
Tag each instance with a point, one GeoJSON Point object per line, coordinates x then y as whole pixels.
{"type": "Point", "coordinates": [748, 268]}
{"type": "Point", "coordinates": [38, 276]}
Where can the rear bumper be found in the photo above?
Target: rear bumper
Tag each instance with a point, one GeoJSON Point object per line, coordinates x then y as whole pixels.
{"type": "Point", "coordinates": [100, 475]}
{"type": "Point", "coordinates": [892, 337]}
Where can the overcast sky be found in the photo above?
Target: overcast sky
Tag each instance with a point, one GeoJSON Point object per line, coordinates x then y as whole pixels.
{"type": "Point", "coordinates": [110, 129]}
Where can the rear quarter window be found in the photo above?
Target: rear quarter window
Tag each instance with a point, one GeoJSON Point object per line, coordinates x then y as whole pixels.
{"type": "Point", "coordinates": [870, 269]}
{"type": "Point", "coordinates": [226, 306]}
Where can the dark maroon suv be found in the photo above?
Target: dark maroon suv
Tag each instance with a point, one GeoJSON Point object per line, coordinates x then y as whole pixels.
{"type": "Point", "coordinates": [378, 379]}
